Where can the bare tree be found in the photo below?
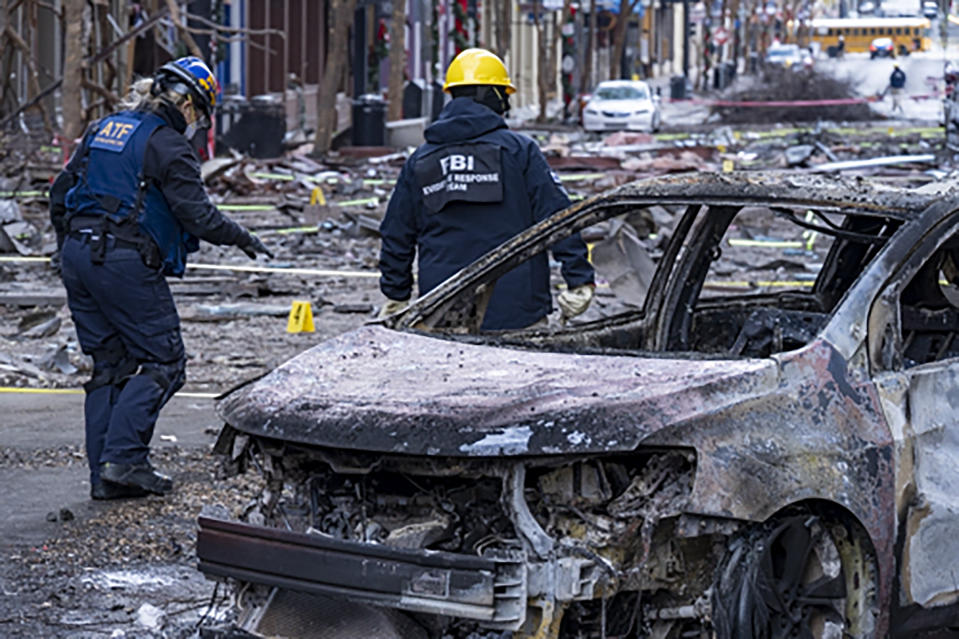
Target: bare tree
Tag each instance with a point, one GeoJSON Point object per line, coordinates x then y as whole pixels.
{"type": "Point", "coordinates": [340, 18]}
{"type": "Point", "coordinates": [619, 38]}
{"type": "Point", "coordinates": [586, 73]}
{"type": "Point", "coordinates": [183, 32]}
{"type": "Point", "coordinates": [503, 15]}
{"type": "Point", "coordinates": [397, 60]}
{"type": "Point", "coordinates": [21, 41]}
{"type": "Point", "coordinates": [73, 121]}
{"type": "Point", "coordinates": [548, 35]}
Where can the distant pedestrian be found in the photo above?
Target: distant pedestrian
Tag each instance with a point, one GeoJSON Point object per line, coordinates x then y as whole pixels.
{"type": "Point", "coordinates": [127, 209]}
{"type": "Point", "coordinates": [841, 47]}
{"type": "Point", "coordinates": [897, 80]}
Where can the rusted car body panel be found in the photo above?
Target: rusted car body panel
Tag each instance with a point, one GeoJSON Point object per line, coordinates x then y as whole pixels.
{"type": "Point", "coordinates": [657, 453]}
{"type": "Point", "coordinates": [428, 396]}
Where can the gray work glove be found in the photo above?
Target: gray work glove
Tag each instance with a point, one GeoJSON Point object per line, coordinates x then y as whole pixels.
{"type": "Point", "coordinates": [574, 301]}
{"type": "Point", "coordinates": [254, 246]}
{"type": "Point", "coordinates": [391, 307]}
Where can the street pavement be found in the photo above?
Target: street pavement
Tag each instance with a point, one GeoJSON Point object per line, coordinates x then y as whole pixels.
{"type": "Point", "coordinates": [32, 423]}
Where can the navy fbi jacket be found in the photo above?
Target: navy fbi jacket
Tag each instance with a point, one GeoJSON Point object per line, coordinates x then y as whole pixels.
{"type": "Point", "coordinates": [170, 165]}
{"type": "Point", "coordinates": [471, 187]}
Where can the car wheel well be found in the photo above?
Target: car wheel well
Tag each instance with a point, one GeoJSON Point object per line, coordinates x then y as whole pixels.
{"type": "Point", "coordinates": [809, 551]}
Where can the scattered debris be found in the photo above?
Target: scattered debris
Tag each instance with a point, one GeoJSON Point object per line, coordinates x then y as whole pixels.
{"type": "Point", "coordinates": [802, 87]}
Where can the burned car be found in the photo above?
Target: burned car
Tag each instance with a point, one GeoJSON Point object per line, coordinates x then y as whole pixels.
{"type": "Point", "coordinates": [753, 435]}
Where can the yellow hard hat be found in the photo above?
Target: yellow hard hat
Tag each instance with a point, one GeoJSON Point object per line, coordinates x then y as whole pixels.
{"type": "Point", "coordinates": [474, 67]}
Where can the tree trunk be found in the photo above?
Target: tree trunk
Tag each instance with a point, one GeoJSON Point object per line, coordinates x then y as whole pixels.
{"type": "Point", "coordinates": [397, 60]}
{"type": "Point", "coordinates": [542, 59]}
{"type": "Point", "coordinates": [71, 93]}
{"type": "Point", "coordinates": [503, 16]}
{"type": "Point", "coordinates": [586, 74]}
{"type": "Point", "coordinates": [5, 58]}
{"type": "Point", "coordinates": [182, 31]}
{"type": "Point", "coordinates": [619, 39]}
{"type": "Point", "coordinates": [338, 23]}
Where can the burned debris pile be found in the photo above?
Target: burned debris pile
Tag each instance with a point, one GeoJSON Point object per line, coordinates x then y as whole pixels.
{"type": "Point", "coordinates": [837, 99]}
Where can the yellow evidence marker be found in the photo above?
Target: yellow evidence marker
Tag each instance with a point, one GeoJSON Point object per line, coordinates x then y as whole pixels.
{"type": "Point", "coordinates": [301, 318]}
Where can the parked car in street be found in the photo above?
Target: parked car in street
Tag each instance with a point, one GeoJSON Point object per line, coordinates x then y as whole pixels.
{"type": "Point", "coordinates": [622, 105]}
{"type": "Point", "coordinates": [882, 48]}
{"type": "Point", "coordinates": [739, 451]}
{"type": "Point", "coordinates": [930, 9]}
{"type": "Point", "coordinates": [786, 55]}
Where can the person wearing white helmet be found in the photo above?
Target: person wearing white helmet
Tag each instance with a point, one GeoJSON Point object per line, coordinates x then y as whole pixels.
{"type": "Point", "coordinates": [127, 209]}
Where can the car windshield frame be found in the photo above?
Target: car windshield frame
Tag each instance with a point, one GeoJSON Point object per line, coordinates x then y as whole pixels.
{"type": "Point", "coordinates": [463, 297]}
{"type": "Point", "coordinates": [621, 92]}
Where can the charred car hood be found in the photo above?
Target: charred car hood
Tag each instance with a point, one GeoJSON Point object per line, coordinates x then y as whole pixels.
{"type": "Point", "coordinates": [376, 389]}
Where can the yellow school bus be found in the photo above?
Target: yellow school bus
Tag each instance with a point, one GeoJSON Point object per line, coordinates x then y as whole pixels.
{"type": "Point", "coordinates": [907, 33]}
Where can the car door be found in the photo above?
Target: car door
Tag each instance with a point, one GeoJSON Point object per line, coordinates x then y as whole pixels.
{"type": "Point", "coordinates": [914, 356]}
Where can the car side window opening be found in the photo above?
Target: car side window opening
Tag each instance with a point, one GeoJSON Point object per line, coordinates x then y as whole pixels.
{"type": "Point", "coordinates": [758, 296]}
{"type": "Point", "coordinates": [775, 278]}
{"type": "Point", "coordinates": [929, 309]}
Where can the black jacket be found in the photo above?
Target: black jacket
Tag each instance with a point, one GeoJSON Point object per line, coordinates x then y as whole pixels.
{"type": "Point", "coordinates": [472, 186]}
{"type": "Point", "coordinates": [172, 163]}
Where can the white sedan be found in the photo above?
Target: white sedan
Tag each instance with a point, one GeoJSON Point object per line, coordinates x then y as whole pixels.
{"type": "Point", "coordinates": [622, 104]}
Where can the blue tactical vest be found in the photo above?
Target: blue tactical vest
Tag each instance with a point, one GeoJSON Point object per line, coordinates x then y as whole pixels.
{"type": "Point", "coordinates": [112, 184]}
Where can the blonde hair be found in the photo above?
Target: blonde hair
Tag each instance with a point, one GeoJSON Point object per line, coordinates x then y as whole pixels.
{"type": "Point", "coordinates": [140, 96]}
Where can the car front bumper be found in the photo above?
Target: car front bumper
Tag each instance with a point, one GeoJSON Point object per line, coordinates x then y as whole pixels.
{"type": "Point", "coordinates": [636, 122]}
{"type": "Point", "coordinates": [490, 589]}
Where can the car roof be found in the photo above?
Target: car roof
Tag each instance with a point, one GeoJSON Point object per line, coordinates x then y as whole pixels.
{"type": "Point", "coordinates": [779, 188]}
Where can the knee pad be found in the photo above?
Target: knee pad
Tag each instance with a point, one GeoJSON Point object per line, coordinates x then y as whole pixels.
{"type": "Point", "coordinates": [169, 376]}
{"type": "Point", "coordinates": [111, 364]}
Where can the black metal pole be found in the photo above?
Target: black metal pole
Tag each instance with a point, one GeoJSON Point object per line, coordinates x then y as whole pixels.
{"type": "Point", "coordinates": [686, 39]}
{"type": "Point", "coordinates": [359, 51]}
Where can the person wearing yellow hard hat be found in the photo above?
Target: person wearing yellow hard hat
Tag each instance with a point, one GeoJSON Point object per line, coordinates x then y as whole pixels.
{"type": "Point", "coordinates": [473, 185]}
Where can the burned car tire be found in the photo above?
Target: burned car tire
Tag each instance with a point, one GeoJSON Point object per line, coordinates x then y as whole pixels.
{"type": "Point", "coordinates": [796, 576]}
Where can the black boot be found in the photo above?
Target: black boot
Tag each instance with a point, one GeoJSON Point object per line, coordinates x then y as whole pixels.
{"type": "Point", "coordinates": [109, 490]}
{"type": "Point", "coordinates": [142, 476]}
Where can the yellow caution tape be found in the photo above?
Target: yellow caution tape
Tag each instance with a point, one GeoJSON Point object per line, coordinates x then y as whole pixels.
{"type": "Point", "coordinates": [285, 271]}
{"type": "Point", "coordinates": [736, 241]}
{"type": "Point", "coordinates": [273, 176]}
{"type": "Point", "coordinates": [758, 283]}
{"type": "Point", "coordinates": [810, 234]}
{"type": "Point", "coordinates": [578, 177]}
{"type": "Point", "coordinates": [79, 391]}
{"type": "Point", "coordinates": [292, 229]}
{"type": "Point", "coordinates": [7, 258]}
{"type": "Point", "coordinates": [367, 200]}
{"type": "Point", "coordinates": [244, 269]}
{"type": "Point", "coordinates": [245, 207]}
{"type": "Point", "coordinates": [23, 193]}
